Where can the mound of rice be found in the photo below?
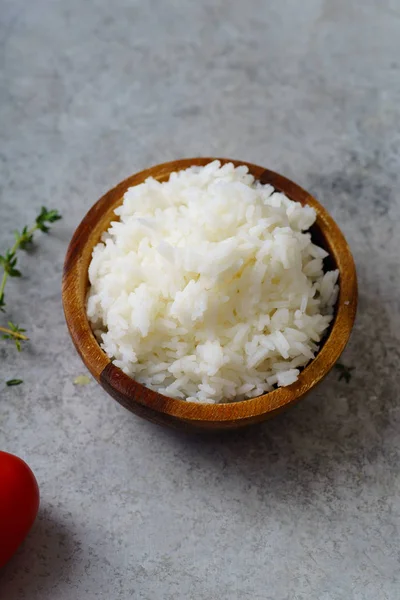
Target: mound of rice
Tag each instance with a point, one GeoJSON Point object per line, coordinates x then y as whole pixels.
{"type": "Point", "coordinates": [208, 287]}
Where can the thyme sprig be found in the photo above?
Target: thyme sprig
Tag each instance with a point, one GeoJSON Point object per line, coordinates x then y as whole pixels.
{"type": "Point", "coordinates": [13, 332]}
{"type": "Point", "coordinates": [9, 260]}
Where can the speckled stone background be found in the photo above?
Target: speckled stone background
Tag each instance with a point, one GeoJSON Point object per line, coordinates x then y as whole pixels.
{"type": "Point", "coordinates": [306, 507]}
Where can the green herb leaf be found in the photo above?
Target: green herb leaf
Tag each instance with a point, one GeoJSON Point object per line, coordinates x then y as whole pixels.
{"type": "Point", "coordinates": [23, 239]}
{"type": "Point", "coordinates": [344, 372]}
{"type": "Point", "coordinates": [46, 216]}
{"type": "Point", "coordinates": [12, 382]}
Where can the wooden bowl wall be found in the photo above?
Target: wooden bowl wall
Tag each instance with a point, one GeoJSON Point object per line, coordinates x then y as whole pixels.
{"type": "Point", "coordinates": [179, 413]}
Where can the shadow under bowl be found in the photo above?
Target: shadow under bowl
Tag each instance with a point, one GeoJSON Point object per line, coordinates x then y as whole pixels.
{"type": "Point", "coordinates": [190, 415]}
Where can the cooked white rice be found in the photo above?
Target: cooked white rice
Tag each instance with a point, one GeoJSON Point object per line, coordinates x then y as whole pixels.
{"type": "Point", "coordinates": [208, 287]}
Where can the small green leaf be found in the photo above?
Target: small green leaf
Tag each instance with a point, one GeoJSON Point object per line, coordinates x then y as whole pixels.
{"type": "Point", "coordinates": [26, 242]}
{"type": "Point", "coordinates": [46, 216]}
{"type": "Point", "coordinates": [42, 227]}
{"type": "Point", "coordinates": [50, 215]}
{"type": "Point", "coordinates": [10, 256]}
{"type": "Point", "coordinates": [344, 372]}
{"type": "Point", "coordinates": [9, 263]}
{"type": "Point", "coordinates": [14, 273]}
{"type": "Point", "coordinates": [23, 239]}
{"type": "Point", "coordinates": [12, 382]}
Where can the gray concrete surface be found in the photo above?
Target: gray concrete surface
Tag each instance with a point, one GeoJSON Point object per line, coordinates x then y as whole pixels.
{"type": "Point", "coordinates": [306, 507]}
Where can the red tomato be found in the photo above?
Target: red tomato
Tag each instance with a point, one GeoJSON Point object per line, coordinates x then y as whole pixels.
{"type": "Point", "coordinates": [19, 503]}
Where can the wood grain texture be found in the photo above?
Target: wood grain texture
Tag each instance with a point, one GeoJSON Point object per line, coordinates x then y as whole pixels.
{"type": "Point", "coordinates": [189, 415]}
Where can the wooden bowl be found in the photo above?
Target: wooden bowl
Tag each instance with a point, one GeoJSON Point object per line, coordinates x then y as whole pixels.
{"type": "Point", "coordinates": [179, 413]}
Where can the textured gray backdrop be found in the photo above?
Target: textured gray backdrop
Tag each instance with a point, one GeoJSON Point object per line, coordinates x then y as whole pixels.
{"type": "Point", "coordinates": [306, 507]}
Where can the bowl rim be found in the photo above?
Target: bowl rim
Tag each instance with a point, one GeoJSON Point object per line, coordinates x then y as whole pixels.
{"type": "Point", "coordinates": [124, 388]}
